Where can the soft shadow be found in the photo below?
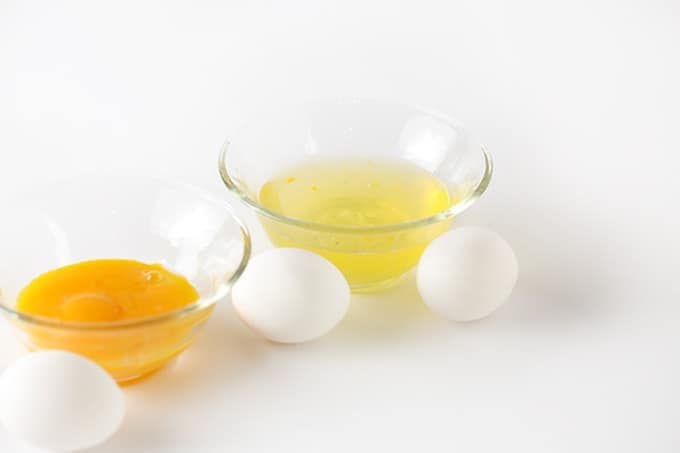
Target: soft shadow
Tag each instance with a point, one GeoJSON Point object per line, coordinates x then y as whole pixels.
{"type": "Point", "coordinates": [565, 277]}
{"type": "Point", "coordinates": [137, 431]}
{"type": "Point", "coordinates": [226, 351]}
{"type": "Point", "coordinates": [221, 360]}
{"type": "Point", "coordinates": [564, 269]}
{"type": "Point", "coordinates": [393, 315]}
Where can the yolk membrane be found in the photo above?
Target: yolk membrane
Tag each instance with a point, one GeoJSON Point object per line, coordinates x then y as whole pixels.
{"type": "Point", "coordinates": [106, 290]}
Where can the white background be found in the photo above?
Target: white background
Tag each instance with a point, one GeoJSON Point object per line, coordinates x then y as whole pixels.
{"type": "Point", "coordinates": [579, 103]}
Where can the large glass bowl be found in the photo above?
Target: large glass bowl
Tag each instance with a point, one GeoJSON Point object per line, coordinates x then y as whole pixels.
{"type": "Point", "coordinates": [120, 216]}
{"type": "Point", "coordinates": [371, 257]}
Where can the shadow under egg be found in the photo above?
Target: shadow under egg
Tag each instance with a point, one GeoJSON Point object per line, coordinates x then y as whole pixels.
{"type": "Point", "coordinates": [224, 353]}
{"type": "Point", "coordinates": [564, 272]}
{"type": "Point", "coordinates": [393, 315]}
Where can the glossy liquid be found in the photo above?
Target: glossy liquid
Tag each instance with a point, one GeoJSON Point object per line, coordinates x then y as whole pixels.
{"type": "Point", "coordinates": [105, 291]}
{"type": "Point", "coordinates": [357, 193]}
{"type": "Point", "coordinates": [110, 290]}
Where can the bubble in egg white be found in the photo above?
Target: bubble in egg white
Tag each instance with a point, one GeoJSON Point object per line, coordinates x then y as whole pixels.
{"type": "Point", "coordinates": [291, 295]}
{"type": "Point", "coordinates": [59, 401]}
{"type": "Point", "coordinates": [467, 273]}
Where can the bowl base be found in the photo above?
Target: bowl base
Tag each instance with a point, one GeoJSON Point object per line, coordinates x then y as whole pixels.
{"type": "Point", "coordinates": [377, 287]}
{"type": "Point", "coordinates": [148, 372]}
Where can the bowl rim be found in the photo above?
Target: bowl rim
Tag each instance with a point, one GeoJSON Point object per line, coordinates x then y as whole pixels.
{"type": "Point", "coordinates": [201, 304]}
{"type": "Point", "coordinates": [232, 185]}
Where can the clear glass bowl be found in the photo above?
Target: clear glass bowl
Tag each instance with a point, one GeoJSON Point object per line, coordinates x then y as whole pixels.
{"type": "Point", "coordinates": [371, 257]}
{"type": "Point", "coordinates": [120, 216]}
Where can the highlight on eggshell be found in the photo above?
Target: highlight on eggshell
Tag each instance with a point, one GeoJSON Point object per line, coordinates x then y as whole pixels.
{"type": "Point", "coordinates": [59, 401]}
{"type": "Point", "coordinates": [467, 273]}
{"type": "Point", "coordinates": [290, 295]}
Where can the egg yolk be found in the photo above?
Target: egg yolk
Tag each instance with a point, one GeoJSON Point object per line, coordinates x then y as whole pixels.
{"type": "Point", "coordinates": [106, 290]}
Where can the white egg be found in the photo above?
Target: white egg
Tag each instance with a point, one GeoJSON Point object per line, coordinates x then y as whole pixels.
{"type": "Point", "coordinates": [59, 401]}
{"type": "Point", "coordinates": [467, 273]}
{"type": "Point", "coordinates": [291, 295]}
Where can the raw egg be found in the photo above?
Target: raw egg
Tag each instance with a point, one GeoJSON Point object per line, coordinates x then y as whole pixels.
{"type": "Point", "coordinates": [291, 295]}
{"type": "Point", "coordinates": [467, 273]}
{"type": "Point", "coordinates": [59, 401]}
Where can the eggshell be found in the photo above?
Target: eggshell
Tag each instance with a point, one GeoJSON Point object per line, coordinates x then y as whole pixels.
{"type": "Point", "coordinates": [59, 401]}
{"type": "Point", "coordinates": [291, 295]}
{"type": "Point", "coordinates": [467, 273]}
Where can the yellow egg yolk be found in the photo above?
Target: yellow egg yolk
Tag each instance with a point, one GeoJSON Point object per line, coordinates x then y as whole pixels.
{"type": "Point", "coordinates": [106, 290]}
{"type": "Point", "coordinates": [110, 290]}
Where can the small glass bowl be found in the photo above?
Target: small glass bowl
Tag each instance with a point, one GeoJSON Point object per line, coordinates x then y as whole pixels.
{"type": "Point", "coordinates": [371, 257]}
{"type": "Point", "coordinates": [120, 216]}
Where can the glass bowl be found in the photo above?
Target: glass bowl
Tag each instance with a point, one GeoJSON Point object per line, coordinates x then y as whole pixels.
{"type": "Point", "coordinates": [120, 216]}
{"type": "Point", "coordinates": [371, 257]}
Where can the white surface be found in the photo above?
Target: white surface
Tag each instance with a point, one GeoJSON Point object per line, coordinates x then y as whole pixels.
{"type": "Point", "coordinates": [578, 102]}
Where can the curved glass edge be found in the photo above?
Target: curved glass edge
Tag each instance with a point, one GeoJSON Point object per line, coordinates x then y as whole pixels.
{"type": "Point", "coordinates": [203, 303]}
{"type": "Point", "coordinates": [453, 210]}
